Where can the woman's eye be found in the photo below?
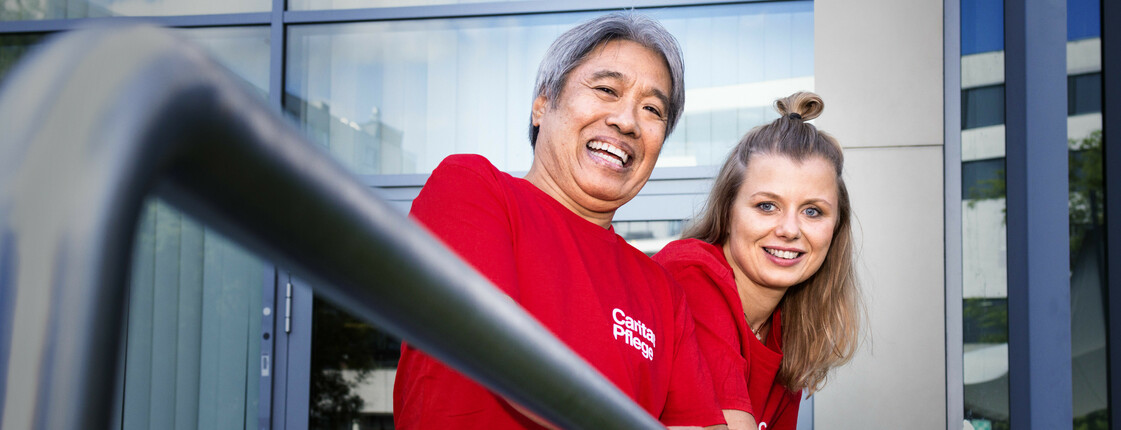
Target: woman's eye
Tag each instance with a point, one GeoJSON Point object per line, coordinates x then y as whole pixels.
{"type": "Point", "coordinates": [606, 90]}
{"type": "Point", "coordinates": [766, 206]}
{"type": "Point", "coordinates": [813, 212]}
{"type": "Point", "coordinates": [654, 110]}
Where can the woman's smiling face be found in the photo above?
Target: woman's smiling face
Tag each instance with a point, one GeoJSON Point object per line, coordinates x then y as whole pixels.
{"type": "Point", "coordinates": [782, 221]}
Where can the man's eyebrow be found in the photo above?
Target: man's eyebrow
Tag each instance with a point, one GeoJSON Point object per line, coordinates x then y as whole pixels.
{"type": "Point", "coordinates": [600, 74]}
{"type": "Point", "coordinates": [661, 96]}
{"type": "Point", "coordinates": [612, 74]}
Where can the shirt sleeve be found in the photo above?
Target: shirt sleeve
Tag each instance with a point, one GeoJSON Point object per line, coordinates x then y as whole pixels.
{"type": "Point", "coordinates": [787, 419]}
{"type": "Point", "coordinates": [717, 336]}
{"type": "Point", "coordinates": [690, 401]}
{"type": "Point", "coordinates": [464, 205]}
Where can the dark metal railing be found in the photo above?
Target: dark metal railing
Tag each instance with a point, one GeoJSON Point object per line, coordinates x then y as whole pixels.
{"type": "Point", "coordinates": [102, 118]}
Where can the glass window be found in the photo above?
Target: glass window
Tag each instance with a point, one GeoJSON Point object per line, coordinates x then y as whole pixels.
{"type": "Point", "coordinates": [982, 179]}
{"type": "Point", "coordinates": [355, 4]}
{"type": "Point", "coordinates": [982, 106]}
{"type": "Point", "coordinates": [16, 10]}
{"type": "Point", "coordinates": [193, 327]}
{"type": "Point", "coordinates": [649, 236]}
{"type": "Point", "coordinates": [1089, 370]}
{"type": "Point", "coordinates": [398, 97]}
{"type": "Point", "coordinates": [353, 366]}
{"type": "Point", "coordinates": [985, 292]}
{"type": "Point", "coordinates": [244, 50]}
{"type": "Point", "coordinates": [1084, 94]}
{"type": "Point", "coordinates": [982, 26]}
{"type": "Point", "coordinates": [984, 234]}
{"type": "Point", "coordinates": [194, 313]}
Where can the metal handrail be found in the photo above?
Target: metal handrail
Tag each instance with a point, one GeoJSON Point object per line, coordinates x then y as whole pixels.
{"type": "Point", "coordinates": [104, 117]}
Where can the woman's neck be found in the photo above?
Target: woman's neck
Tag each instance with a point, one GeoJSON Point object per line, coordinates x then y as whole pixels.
{"type": "Point", "coordinates": [759, 302]}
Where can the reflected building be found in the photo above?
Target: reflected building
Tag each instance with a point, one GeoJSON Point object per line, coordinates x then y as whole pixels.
{"type": "Point", "coordinates": [984, 240]}
{"type": "Point", "coordinates": [367, 148]}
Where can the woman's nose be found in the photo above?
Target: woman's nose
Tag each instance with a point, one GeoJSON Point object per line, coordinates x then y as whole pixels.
{"type": "Point", "coordinates": [789, 227]}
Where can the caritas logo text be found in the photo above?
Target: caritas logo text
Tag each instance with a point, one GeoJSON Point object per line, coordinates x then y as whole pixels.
{"type": "Point", "coordinates": [634, 333]}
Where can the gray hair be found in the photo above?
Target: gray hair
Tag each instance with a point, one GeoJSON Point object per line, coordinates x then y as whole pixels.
{"type": "Point", "coordinates": [573, 47]}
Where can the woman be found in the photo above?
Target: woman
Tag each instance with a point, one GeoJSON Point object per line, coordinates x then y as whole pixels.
{"type": "Point", "coordinates": [768, 269]}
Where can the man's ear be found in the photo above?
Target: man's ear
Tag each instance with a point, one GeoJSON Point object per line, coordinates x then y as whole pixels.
{"type": "Point", "coordinates": [539, 105]}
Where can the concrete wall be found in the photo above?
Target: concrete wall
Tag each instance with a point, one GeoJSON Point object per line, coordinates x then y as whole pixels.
{"type": "Point", "coordinates": [878, 66]}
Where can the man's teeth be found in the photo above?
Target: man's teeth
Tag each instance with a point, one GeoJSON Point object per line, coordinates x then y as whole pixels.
{"type": "Point", "coordinates": [611, 149]}
{"type": "Point", "coordinates": [789, 255]}
{"type": "Point", "coordinates": [608, 158]}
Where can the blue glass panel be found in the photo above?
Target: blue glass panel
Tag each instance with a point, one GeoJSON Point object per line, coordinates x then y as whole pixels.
{"type": "Point", "coordinates": [982, 26]}
{"type": "Point", "coordinates": [1084, 19]}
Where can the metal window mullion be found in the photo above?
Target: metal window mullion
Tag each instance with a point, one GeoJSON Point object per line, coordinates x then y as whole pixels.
{"type": "Point", "coordinates": [273, 396]}
{"type": "Point", "coordinates": [951, 158]}
{"type": "Point", "coordinates": [1111, 138]}
{"type": "Point", "coordinates": [1039, 355]}
{"type": "Point", "coordinates": [277, 45]}
{"type": "Point", "coordinates": [268, 351]}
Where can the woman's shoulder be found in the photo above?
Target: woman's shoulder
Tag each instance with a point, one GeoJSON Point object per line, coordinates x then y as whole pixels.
{"type": "Point", "coordinates": [692, 253]}
{"type": "Point", "coordinates": [689, 251]}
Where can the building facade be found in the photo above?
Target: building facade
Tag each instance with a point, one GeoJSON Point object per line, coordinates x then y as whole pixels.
{"type": "Point", "coordinates": [928, 98]}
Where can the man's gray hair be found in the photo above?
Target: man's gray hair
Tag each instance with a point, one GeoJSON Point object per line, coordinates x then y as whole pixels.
{"type": "Point", "coordinates": [572, 47]}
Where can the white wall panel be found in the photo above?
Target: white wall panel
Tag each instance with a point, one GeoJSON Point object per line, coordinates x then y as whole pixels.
{"type": "Point", "coordinates": [878, 66]}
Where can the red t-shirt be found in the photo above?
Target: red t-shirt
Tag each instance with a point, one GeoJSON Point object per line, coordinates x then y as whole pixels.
{"type": "Point", "coordinates": [606, 300]}
{"type": "Point", "coordinates": [743, 368]}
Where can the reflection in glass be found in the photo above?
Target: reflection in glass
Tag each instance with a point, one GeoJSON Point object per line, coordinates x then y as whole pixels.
{"type": "Point", "coordinates": [1089, 370]}
{"type": "Point", "coordinates": [355, 4]}
{"type": "Point", "coordinates": [398, 97]}
{"type": "Point", "coordinates": [984, 241]}
{"type": "Point", "coordinates": [649, 236]}
{"type": "Point", "coordinates": [983, 186]}
{"type": "Point", "coordinates": [16, 10]}
{"type": "Point", "coordinates": [244, 50]}
{"type": "Point", "coordinates": [193, 327]}
{"type": "Point", "coordinates": [353, 366]}
{"type": "Point", "coordinates": [194, 314]}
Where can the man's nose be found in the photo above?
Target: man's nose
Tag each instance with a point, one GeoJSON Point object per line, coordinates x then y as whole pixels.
{"type": "Point", "coordinates": [623, 117]}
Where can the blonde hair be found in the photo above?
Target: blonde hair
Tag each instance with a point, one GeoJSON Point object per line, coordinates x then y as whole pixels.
{"type": "Point", "coordinates": [821, 316]}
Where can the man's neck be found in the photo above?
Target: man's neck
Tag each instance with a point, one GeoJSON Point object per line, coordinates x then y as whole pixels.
{"type": "Point", "coordinates": [541, 179]}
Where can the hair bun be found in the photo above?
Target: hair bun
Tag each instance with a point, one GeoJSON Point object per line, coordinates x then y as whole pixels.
{"type": "Point", "coordinates": [802, 105]}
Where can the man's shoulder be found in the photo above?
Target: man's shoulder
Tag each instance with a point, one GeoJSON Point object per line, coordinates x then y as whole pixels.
{"type": "Point", "coordinates": [472, 162]}
{"type": "Point", "coordinates": [460, 173]}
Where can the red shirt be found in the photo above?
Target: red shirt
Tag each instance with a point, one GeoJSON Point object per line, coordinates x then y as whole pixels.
{"type": "Point", "coordinates": [607, 301]}
{"type": "Point", "coordinates": [743, 368]}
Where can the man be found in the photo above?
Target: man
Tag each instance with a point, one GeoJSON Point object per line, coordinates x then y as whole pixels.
{"type": "Point", "coordinates": [608, 93]}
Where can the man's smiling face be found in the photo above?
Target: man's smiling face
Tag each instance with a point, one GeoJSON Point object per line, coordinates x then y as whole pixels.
{"type": "Point", "coordinates": [599, 141]}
